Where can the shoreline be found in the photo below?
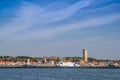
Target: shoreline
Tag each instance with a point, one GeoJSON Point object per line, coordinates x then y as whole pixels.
{"type": "Point", "coordinates": [64, 67]}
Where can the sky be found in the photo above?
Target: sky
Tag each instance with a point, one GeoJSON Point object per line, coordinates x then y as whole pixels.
{"type": "Point", "coordinates": [60, 28]}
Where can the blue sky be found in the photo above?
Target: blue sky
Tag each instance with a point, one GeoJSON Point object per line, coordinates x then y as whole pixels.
{"type": "Point", "coordinates": [60, 28]}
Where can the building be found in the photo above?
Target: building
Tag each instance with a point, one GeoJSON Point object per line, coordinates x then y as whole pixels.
{"type": "Point", "coordinates": [85, 55]}
{"type": "Point", "coordinates": [28, 61]}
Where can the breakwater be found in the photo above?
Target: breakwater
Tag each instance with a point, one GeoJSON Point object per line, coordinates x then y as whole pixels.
{"type": "Point", "coordinates": [53, 66]}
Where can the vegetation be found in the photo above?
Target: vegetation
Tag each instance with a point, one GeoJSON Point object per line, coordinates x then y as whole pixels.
{"type": "Point", "coordinates": [55, 59]}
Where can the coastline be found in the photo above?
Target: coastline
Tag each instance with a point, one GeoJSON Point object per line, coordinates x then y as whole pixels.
{"type": "Point", "coordinates": [59, 67]}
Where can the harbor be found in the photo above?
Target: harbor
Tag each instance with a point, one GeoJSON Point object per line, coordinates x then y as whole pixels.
{"type": "Point", "coordinates": [57, 62]}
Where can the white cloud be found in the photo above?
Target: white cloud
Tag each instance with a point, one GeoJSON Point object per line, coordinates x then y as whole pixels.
{"type": "Point", "coordinates": [51, 32]}
{"type": "Point", "coordinates": [30, 14]}
{"type": "Point", "coordinates": [17, 35]}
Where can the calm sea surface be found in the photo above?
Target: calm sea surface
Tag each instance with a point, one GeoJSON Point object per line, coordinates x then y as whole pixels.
{"type": "Point", "coordinates": [58, 74]}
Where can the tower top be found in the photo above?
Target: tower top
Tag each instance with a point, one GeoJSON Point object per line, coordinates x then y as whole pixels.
{"type": "Point", "coordinates": [84, 49]}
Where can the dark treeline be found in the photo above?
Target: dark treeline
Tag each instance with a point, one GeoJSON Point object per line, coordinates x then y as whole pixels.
{"type": "Point", "coordinates": [56, 59]}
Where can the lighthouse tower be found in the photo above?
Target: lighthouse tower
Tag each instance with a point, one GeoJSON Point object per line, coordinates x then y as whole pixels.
{"type": "Point", "coordinates": [85, 55]}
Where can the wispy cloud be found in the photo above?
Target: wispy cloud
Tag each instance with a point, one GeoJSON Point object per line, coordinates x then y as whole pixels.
{"type": "Point", "coordinates": [51, 32]}
{"type": "Point", "coordinates": [33, 26]}
{"type": "Point", "coordinates": [30, 16]}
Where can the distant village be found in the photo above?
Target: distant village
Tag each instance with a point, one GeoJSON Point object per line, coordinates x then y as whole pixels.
{"type": "Point", "coordinates": [79, 62]}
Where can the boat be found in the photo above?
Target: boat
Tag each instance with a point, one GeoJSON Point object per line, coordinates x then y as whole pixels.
{"type": "Point", "coordinates": [66, 64]}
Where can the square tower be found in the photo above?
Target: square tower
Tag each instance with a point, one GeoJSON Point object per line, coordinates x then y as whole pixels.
{"type": "Point", "coordinates": [85, 55]}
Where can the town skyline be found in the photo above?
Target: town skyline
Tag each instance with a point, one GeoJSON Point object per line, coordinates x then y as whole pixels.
{"type": "Point", "coordinates": [60, 28]}
{"type": "Point", "coordinates": [85, 56]}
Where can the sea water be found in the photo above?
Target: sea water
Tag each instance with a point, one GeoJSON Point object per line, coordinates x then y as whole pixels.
{"type": "Point", "coordinates": [58, 74]}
